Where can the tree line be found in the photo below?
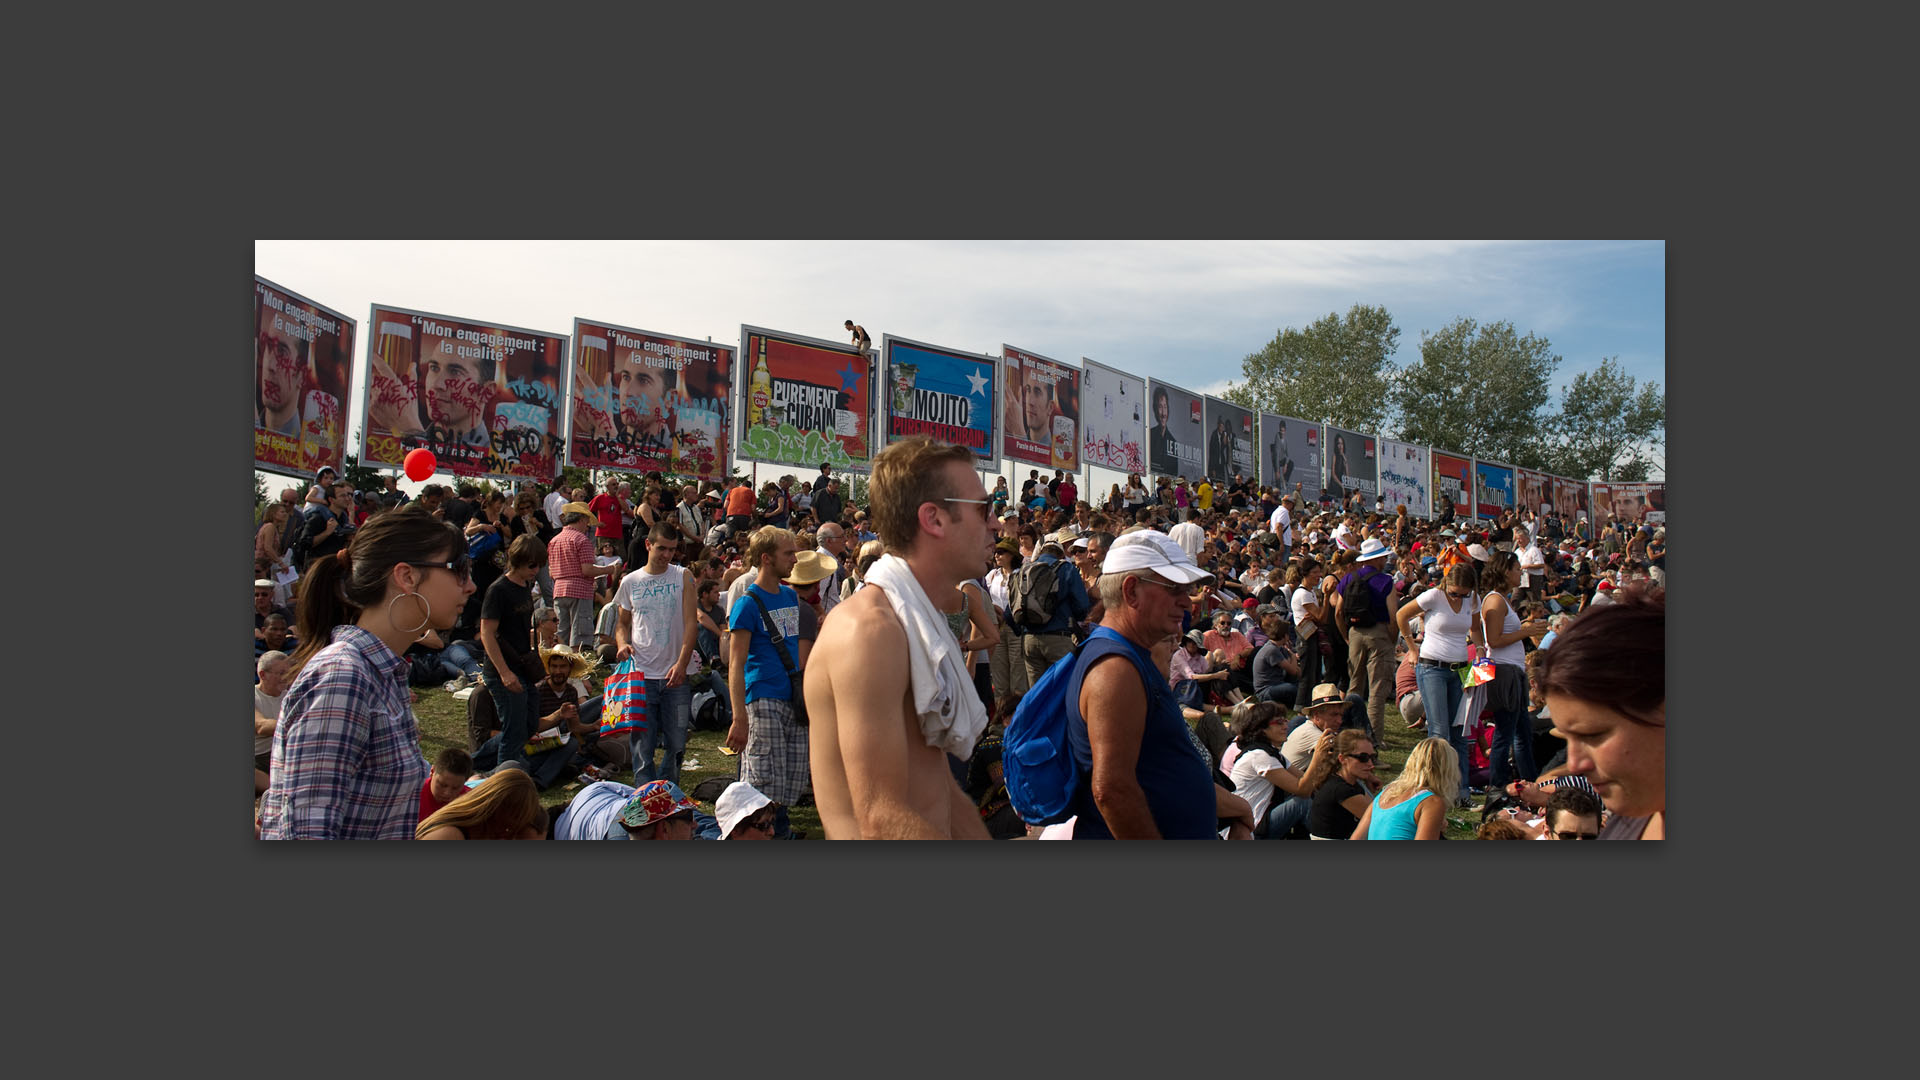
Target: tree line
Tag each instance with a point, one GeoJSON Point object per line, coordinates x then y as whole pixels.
{"type": "Point", "coordinates": [1479, 390]}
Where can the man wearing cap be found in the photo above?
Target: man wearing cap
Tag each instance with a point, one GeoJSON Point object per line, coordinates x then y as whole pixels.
{"type": "Point", "coordinates": [891, 695]}
{"type": "Point", "coordinates": [1145, 774]}
{"type": "Point", "coordinates": [570, 562]}
{"type": "Point", "coordinates": [1043, 646]}
{"type": "Point", "coordinates": [658, 622]}
{"type": "Point", "coordinates": [1370, 648]}
{"type": "Point", "coordinates": [656, 810]}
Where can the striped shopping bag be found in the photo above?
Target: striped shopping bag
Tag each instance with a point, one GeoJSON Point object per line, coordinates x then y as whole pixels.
{"type": "Point", "coordinates": [625, 708]}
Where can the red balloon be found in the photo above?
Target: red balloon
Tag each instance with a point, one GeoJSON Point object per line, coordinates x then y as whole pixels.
{"type": "Point", "coordinates": [420, 464]}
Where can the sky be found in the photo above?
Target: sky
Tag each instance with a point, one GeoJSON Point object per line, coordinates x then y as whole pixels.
{"type": "Point", "coordinates": [1187, 312]}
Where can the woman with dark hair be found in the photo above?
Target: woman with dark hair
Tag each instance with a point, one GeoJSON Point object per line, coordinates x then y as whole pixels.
{"type": "Point", "coordinates": [346, 753]}
{"type": "Point", "coordinates": [1259, 771]}
{"type": "Point", "coordinates": [1336, 469]}
{"type": "Point", "coordinates": [1450, 625]}
{"type": "Point", "coordinates": [1605, 681]}
{"type": "Point", "coordinates": [504, 806]}
{"type": "Point", "coordinates": [1507, 695]}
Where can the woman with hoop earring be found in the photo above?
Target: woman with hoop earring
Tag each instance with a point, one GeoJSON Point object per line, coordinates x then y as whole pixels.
{"type": "Point", "coordinates": [346, 755]}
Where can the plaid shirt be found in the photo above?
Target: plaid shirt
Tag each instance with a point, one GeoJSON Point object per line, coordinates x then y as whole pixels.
{"type": "Point", "coordinates": [346, 755]}
{"type": "Point", "coordinates": [570, 561]}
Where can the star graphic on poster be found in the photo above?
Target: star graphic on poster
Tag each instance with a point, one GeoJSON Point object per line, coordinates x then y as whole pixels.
{"type": "Point", "coordinates": [979, 385]}
{"type": "Point", "coordinates": [848, 377]}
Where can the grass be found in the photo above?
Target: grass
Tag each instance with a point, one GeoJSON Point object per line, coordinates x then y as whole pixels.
{"type": "Point", "coordinates": [443, 723]}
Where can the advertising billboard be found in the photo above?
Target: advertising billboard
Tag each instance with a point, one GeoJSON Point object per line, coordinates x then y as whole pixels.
{"type": "Point", "coordinates": [1230, 440]}
{"type": "Point", "coordinates": [943, 393]}
{"type": "Point", "coordinates": [1452, 477]}
{"type": "Point", "coordinates": [483, 396]}
{"type": "Point", "coordinates": [1114, 422]}
{"type": "Point", "coordinates": [803, 401]}
{"type": "Point", "coordinates": [648, 402]}
{"type": "Point", "coordinates": [302, 369]}
{"type": "Point", "coordinates": [1042, 425]}
{"type": "Point", "coordinates": [1403, 477]}
{"type": "Point", "coordinates": [1290, 456]}
{"type": "Point", "coordinates": [1176, 430]}
{"type": "Point", "coordinates": [1492, 489]}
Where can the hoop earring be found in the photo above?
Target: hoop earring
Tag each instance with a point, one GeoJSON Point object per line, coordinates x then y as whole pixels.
{"type": "Point", "coordinates": [424, 619]}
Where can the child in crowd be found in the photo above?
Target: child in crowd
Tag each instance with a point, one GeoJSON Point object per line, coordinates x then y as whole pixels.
{"type": "Point", "coordinates": [447, 781]}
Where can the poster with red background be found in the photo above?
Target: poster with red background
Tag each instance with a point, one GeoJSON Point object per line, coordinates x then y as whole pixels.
{"type": "Point", "coordinates": [302, 369]}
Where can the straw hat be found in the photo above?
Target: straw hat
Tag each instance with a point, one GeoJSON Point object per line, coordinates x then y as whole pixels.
{"type": "Point", "coordinates": [582, 662]}
{"type": "Point", "coordinates": [811, 566]}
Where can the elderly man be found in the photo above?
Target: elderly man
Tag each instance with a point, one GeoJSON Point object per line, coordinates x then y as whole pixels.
{"type": "Point", "coordinates": [1146, 774]}
{"type": "Point", "coordinates": [275, 673]}
{"type": "Point", "coordinates": [833, 544]}
{"type": "Point", "coordinates": [570, 562]}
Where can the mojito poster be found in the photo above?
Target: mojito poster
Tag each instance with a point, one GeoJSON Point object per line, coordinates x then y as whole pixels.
{"type": "Point", "coordinates": [803, 401]}
{"type": "Point", "coordinates": [944, 394]}
{"type": "Point", "coordinates": [648, 402]}
{"type": "Point", "coordinates": [302, 367]}
{"type": "Point", "coordinates": [483, 397]}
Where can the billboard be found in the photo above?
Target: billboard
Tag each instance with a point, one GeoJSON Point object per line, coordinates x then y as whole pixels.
{"type": "Point", "coordinates": [1628, 500]}
{"type": "Point", "coordinates": [1492, 489]}
{"type": "Point", "coordinates": [1403, 477]}
{"type": "Point", "coordinates": [944, 393]}
{"type": "Point", "coordinates": [302, 367]}
{"type": "Point", "coordinates": [1352, 465]}
{"type": "Point", "coordinates": [803, 401]}
{"type": "Point", "coordinates": [1043, 410]}
{"type": "Point", "coordinates": [484, 397]}
{"type": "Point", "coordinates": [1176, 432]}
{"type": "Point", "coordinates": [1114, 423]}
{"type": "Point", "coordinates": [1230, 441]}
{"type": "Point", "coordinates": [1532, 491]}
{"type": "Point", "coordinates": [1569, 497]}
{"type": "Point", "coordinates": [1452, 477]}
{"type": "Point", "coordinates": [647, 402]}
{"type": "Point", "coordinates": [1290, 455]}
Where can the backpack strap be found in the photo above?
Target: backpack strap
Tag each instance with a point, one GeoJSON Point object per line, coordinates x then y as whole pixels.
{"type": "Point", "coordinates": [773, 632]}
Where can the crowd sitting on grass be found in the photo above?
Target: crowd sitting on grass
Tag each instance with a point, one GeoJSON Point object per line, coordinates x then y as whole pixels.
{"type": "Point", "coordinates": [1284, 631]}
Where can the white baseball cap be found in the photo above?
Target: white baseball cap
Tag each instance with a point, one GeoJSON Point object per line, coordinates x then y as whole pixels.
{"type": "Point", "coordinates": [1155, 551]}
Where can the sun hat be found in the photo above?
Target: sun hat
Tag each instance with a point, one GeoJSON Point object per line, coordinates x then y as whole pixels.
{"type": "Point", "coordinates": [1478, 552]}
{"type": "Point", "coordinates": [262, 583]}
{"type": "Point", "coordinates": [1326, 694]}
{"type": "Point", "coordinates": [1080, 543]}
{"type": "Point", "coordinates": [1198, 637]}
{"type": "Point", "coordinates": [811, 566]}
{"type": "Point", "coordinates": [712, 493]}
{"type": "Point", "coordinates": [1008, 545]}
{"type": "Point", "coordinates": [1372, 549]}
{"type": "Point", "coordinates": [1155, 551]}
{"type": "Point", "coordinates": [576, 508]}
{"type": "Point", "coordinates": [736, 804]}
{"type": "Point", "coordinates": [582, 662]}
{"type": "Point", "coordinates": [655, 800]}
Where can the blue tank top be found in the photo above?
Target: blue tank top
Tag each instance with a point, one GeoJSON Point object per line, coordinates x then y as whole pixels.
{"type": "Point", "coordinates": [1175, 775]}
{"type": "Point", "coordinates": [1395, 823]}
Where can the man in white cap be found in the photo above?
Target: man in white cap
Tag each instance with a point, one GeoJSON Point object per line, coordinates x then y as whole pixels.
{"type": "Point", "coordinates": [888, 691]}
{"type": "Point", "coordinates": [1371, 632]}
{"type": "Point", "coordinates": [1145, 775]}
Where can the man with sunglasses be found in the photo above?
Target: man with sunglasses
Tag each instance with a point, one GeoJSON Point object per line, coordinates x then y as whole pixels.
{"type": "Point", "coordinates": [659, 619]}
{"type": "Point", "coordinates": [1572, 814]}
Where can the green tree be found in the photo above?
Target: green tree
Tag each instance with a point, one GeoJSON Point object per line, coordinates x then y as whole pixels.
{"type": "Point", "coordinates": [1337, 369]}
{"type": "Point", "coordinates": [1478, 390]}
{"type": "Point", "coordinates": [1605, 424]}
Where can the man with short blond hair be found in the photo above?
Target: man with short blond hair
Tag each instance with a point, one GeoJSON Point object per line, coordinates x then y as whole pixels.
{"type": "Point", "coordinates": [772, 744]}
{"type": "Point", "coordinates": [890, 695]}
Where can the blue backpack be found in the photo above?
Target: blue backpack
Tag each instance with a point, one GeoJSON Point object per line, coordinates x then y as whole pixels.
{"type": "Point", "coordinates": [1036, 755]}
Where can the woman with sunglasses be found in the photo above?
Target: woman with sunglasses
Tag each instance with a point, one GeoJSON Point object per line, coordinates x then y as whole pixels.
{"type": "Point", "coordinates": [1341, 784]}
{"type": "Point", "coordinates": [1414, 806]}
{"type": "Point", "coordinates": [1605, 681]}
{"type": "Point", "coordinates": [346, 753]}
{"type": "Point", "coordinates": [1450, 625]}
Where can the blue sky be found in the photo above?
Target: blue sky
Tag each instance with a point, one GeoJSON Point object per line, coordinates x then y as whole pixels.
{"type": "Point", "coordinates": [1185, 311]}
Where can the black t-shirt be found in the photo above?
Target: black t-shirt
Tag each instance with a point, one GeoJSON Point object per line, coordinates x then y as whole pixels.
{"type": "Point", "coordinates": [457, 512]}
{"type": "Point", "coordinates": [512, 606]}
{"type": "Point", "coordinates": [1328, 818]}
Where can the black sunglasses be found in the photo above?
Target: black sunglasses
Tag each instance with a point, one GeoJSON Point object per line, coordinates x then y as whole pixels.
{"type": "Point", "coordinates": [462, 566]}
{"type": "Point", "coordinates": [1364, 757]}
{"type": "Point", "coordinates": [1573, 835]}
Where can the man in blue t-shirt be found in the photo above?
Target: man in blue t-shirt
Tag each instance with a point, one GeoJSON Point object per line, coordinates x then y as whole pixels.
{"type": "Point", "coordinates": [772, 746]}
{"type": "Point", "coordinates": [1370, 660]}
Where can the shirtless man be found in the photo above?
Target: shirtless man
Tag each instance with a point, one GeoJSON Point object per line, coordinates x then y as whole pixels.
{"type": "Point", "coordinates": [875, 775]}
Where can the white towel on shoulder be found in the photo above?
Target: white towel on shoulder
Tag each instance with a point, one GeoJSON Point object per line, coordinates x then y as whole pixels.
{"type": "Point", "coordinates": [951, 716]}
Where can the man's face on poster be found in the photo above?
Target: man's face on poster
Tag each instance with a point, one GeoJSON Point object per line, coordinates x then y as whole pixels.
{"type": "Point", "coordinates": [1033, 398]}
{"type": "Point", "coordinates": [639, 393]}
{"type": "Point", "coordinates": [282, 360]}
{"type": "Point", "coordinates": [451, 387]}
{"type": "Point", "coordinates": [1161, 407]}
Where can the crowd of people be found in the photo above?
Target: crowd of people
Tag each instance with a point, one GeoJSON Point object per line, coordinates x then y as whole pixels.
{"type": "Point", "coordinates": [868, 659]}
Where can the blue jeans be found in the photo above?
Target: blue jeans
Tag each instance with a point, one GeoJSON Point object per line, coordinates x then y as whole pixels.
{"type": "Point", "coordinates": [669, 714]}
{"type": "Point", "coordinates": [1441, 694]}
{"type": "Point", "coordinates": [456, 660]}
{"type": "Point", "coordinates": [516, 713]}
{"type": "Point", "coordinates": [1282, 692]}
{"type": "Point", "coordinates": [1285, 813]}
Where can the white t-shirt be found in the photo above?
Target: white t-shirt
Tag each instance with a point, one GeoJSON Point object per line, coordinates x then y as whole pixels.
{"type": "Point", "coordinates": [268, 707]}
{"type": "Point", "coordinates": [658, 624]}
{"type": "Point", "coordinates": [1191, 538]}
{"type": "Point", "coordinates": [1515, 653]}
{"type": "Point", "coordinates": [1445, 629]}
{"type": "Point", "coordinates": [1302, 625]}
{"type": "Point", "coordinates": [997, 588]}
{"type": "Point", "coordinates": [1529, 556]}
{"type": "Point", "coordinates": [1282, 523]}
{"type": "Point", "coordinates": [1298, 749]}
{"type": "Point", "coordinates": [1250, 780]}
{"type": "Point", "coordinates": [553, 504]}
